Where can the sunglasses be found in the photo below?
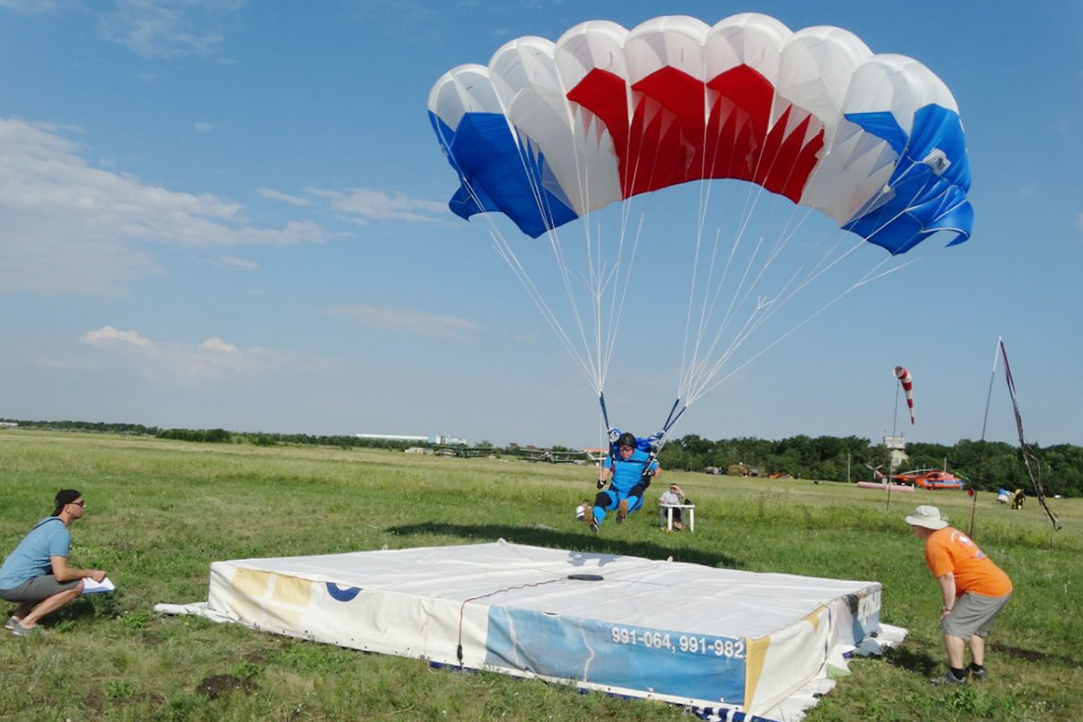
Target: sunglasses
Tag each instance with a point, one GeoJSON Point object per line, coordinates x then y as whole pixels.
{"type": "Point", "coordinates": [81, 502]}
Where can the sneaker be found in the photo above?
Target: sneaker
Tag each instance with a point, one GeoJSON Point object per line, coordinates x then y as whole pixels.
{"type": "Point", "coordinates": [622, 510]}
{"type": "Point", "coordinates": [948, 679]}
{"type": "Point", "coordinates": [593, 524]}
{"type": "Point", "coordinates": [11, 623]}
{"type": "Point", "coordinates": [977, 674]}
{"type": "Point", "coordinates": [21, 631]}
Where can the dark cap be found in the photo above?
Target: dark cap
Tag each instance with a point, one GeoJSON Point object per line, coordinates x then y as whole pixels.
{"type": "Point", "coordinates": [65, 497]}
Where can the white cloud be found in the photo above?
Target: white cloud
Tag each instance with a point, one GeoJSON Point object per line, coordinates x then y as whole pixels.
{"type": "Point", "coordinates": [107, 335]}
{"type": "Point", "coordinates": [213, 360]}
{"type": "Point", "coordinates": [151, 28]}
{"type": "Point", "coordinates": [240, 264]}
{"type": "Point", "coordinates": [365, 204]}
{"type": "Point", "coordinates": [272, 194]}
{"type": "Point", "coordinates": [168, 28]}
{"type": "Point", "coordinates": [401, 320]}
{"type": "Point", "coordinates": [1079, 221]}
{"type": "Point", "coordinates": [31, 6]}
{"type": "Point", "coordinates": [71, 228]}
{"type": "Point", "coordinates": [204, 127]}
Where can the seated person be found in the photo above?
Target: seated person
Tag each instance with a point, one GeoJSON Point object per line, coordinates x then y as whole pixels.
{"type": "Point", "coordinates": [673, 497]}
{"type": "Point", "coordinates": [36, 576]}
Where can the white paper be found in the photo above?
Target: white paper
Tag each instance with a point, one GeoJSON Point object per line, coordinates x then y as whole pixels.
{"type": "Point", "coordinates": [92, 587]}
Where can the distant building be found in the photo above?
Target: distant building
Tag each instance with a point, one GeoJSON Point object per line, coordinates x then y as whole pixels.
{"type": "Point", "coordinates": [437, 439]}
{"type": "Point", "coordinates": [8, 425]}
{"type": "Point", "coordinates": [595, 454]}
{"type": "Point", "coordinates": [896, 446]}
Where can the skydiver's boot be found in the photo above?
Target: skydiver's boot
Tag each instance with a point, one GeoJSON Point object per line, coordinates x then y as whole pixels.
{"type": "Point", "coordinates": [622, 510]}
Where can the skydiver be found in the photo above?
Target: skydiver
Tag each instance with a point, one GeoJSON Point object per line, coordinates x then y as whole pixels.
{"type": "Point", "coordinates": [629, 473]}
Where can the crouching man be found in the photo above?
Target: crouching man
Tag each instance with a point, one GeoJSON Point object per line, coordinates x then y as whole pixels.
{"type": "Point", "coordinates": [974, 591]}
{"type": "Point", "coordinates": [36, 576]}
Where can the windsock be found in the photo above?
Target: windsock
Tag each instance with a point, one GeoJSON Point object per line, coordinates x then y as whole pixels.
{"type": "Point", "coordinates": [908, 386]}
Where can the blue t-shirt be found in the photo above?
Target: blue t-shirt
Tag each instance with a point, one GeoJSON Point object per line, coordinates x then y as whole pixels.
{"type": "Point", "coordinates": [50, 538]}
{"type": "Point", "coordinates": [627, 474]}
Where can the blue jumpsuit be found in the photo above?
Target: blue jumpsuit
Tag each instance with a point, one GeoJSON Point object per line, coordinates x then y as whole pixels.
{"type": "Point", "coordinates": [626, 475]}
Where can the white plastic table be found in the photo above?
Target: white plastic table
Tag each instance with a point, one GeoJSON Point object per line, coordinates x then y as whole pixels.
{"type": "Point", "coordinates": [691, 515]}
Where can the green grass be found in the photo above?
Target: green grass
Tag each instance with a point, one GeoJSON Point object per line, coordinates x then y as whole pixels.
{"type": "Point", "coordinates": [159, 512]}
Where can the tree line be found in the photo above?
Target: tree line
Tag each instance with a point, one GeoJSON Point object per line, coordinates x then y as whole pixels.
{"type": "Point", "coordinates": [214, 436]}
{"type": "Point", "coordinates": [988, 465]}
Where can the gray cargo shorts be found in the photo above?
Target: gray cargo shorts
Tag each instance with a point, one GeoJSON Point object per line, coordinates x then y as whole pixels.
{"type": "Point", "coordinates": [973, 614]}
{"type": "Point", "coordinates": [37, 589]}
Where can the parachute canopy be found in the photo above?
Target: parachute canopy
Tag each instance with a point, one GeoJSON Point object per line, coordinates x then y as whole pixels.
{"type": "Point", "coordinates": [548, 132]}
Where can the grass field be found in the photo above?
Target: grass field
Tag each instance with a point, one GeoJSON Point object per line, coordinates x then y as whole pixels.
{"type": "Point", "coordinates": [158, 513]}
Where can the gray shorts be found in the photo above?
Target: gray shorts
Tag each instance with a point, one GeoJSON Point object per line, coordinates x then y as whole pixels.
{"type": "Point", "coordinates": [37, 589]}
{"type": "Point", "coordinates": [972, 615]}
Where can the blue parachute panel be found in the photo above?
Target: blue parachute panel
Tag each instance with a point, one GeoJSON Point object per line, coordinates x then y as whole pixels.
{"type": "Point", "coordinates": [927, 190]}
{"type": "Point", "coordinates": [496, 176]}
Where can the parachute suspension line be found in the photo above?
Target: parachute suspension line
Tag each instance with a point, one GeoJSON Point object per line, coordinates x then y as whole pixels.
{"type": "Point", "coordinates": [505, 251]}
{"type": "Point", "coordinates": [1025, 448]}
{"type": "Point", "coordinates": [711, 294]}
{"type": "Point", "coordinates": [696, 378]}
{"type": "Point", "coordinates": [736, 300]}
{"type": "Point", "coordinates": [708, 385]}
{"type": "Point", "coordinates": [688, 365]}
{"type": "Point", "coordinates": [704, 195]}
{"type": "Point", "coordinates": [598, 276]}
{"type": "Point", "coordinates": [566, 275]}
{"type": "Point", "coordinates": [711, 297]}
{"type": "Point", "coordinates": [984, 425]}
{"type": "Point", "coordinates": [590, 362]}
{"type": "Point", "coordinates": [622, 282]}
{"type": "Point", "coordinates": [766, 308]}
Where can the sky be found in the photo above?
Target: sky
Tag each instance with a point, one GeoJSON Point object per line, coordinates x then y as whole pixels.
{"type": "Point", "coordinates": [220, 213]}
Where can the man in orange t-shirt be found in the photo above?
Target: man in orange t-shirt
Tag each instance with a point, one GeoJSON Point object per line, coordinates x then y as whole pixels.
{"type": "Point", "coordinates": [974, 590]}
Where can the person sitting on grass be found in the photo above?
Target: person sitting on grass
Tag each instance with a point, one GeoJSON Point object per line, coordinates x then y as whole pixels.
{"type": "Point", "coordinates": [673, 497]}
{"type": "Point", "coordinates": [629, 474]}
{"type": "Point", "coordinates": [36, 576]}
{"type": "Point", "coordinates": [974, 591]}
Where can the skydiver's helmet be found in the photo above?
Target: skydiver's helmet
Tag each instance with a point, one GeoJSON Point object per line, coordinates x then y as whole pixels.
{"type": "Point", "coordinates": [627, 439]}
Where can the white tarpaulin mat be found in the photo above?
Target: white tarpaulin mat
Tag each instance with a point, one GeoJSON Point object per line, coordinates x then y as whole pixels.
{"type": "Point", "coordinates": [728, 643]}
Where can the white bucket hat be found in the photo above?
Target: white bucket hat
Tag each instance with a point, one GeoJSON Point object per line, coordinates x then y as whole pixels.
{"type": "Point", "coordinates": [928, 517]}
